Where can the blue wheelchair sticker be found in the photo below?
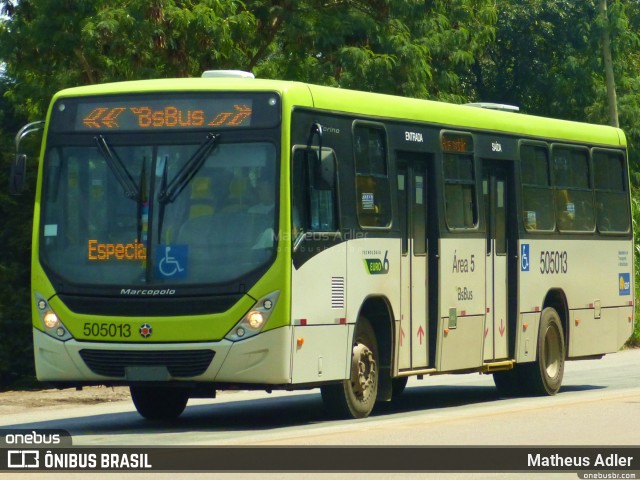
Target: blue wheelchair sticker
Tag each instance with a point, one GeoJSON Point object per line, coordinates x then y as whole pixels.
{"type": "Point", "coordinates": [524, 257]}
{"type": "Point", "coordinates": [171, 261]}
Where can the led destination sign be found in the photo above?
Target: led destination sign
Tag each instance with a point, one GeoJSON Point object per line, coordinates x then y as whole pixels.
{"type": "Point", "coordinates": [456, 143]}
{"type": "Point", "coordinates": [186, 111]}
{"type": "Point", "coordinates": [159, 114]}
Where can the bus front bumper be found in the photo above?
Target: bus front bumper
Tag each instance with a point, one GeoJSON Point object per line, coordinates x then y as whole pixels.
{"type": "Point", "coordinates": [262, 359]}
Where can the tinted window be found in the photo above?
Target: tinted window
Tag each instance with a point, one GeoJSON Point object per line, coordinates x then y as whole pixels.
{"type": "Point", "coordinates": [314, 192]}
{"type": "Point", "coordinates": [612, 199]}
{"type": "Point", "coordinates": [537, 194]}
{"type": "Point", "coordinates": [372, 183]}
{"type": "Point", "coordinates": [574, 198]}
{"type": "Point", "coordinates": [460, 191]}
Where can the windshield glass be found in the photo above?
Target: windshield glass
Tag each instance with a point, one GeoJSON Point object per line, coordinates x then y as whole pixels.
{"type": "Point", "coordinates": [117, 214]}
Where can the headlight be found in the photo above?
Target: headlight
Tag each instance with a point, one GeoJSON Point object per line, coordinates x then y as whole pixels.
{"type": "Point", "coordinates": [51, 322]}
{"type": "Point", "coordinates": [255, 320]}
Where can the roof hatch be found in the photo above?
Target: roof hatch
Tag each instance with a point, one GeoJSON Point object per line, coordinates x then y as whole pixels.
{"type": "Point", "coordinates": [227, 74]}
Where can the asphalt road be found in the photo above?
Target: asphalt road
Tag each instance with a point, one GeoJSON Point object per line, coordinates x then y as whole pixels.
{"type": "Point", "coordinates": [598, 405]}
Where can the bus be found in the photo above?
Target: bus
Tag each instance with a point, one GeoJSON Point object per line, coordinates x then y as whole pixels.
{"type": "Point", "coordinates": [225, 232]}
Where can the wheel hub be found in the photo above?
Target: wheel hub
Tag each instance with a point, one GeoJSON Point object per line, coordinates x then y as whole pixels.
{"type": "Point", "coordinates": [363, 370]}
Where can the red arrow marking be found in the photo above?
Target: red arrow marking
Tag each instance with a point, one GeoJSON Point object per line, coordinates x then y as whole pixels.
{"type": "Point", "coordinates": [420, 334]}
{"type": "Point", "coordinates": [486, 332]}
{"type": "Point", "coordinates": [502, 327]}
{"type": "Point", "coordinates": [401, 335]}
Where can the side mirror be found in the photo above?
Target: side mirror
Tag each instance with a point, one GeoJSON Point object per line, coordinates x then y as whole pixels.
{"type": "Point", "coordinates": [18, 175]}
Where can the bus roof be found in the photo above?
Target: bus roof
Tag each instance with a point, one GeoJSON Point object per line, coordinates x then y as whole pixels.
{"type": "Point", "coordinates": [376, 105]}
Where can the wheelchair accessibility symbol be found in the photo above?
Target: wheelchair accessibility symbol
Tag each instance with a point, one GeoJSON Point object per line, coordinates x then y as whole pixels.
{"type": "Point", "coordinates": [172, 261]}
{"type": "Point", "coordinates": [524, 257]}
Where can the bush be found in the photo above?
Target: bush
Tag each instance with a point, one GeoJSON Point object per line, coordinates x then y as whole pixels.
{"type": "Point", "coordinates": [634, 340]}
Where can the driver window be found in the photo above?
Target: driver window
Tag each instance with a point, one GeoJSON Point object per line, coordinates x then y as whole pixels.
{"type": "Point", "coordinates": [314, 206]}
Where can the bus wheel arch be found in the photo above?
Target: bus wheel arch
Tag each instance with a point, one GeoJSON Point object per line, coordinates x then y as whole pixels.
{"type": "Point", "coordinates": [356, 396]}
{"type": "Point", "coordinates": [544, 375]}
{"type": "Point", "coordinates": [557, 300]}
{"type": "Point", "coordinates": [377, 310]}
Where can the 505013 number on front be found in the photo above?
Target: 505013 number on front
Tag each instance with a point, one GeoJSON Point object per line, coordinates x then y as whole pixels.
{"type": "Point", "coordinates": [110, 330]}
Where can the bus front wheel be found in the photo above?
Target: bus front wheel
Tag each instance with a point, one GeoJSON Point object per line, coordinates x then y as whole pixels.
{"type": "Point", "coordinates": [356, 396]}
{"type": "Point", "coordinates": [544, 376]}
{"type": "Point", "coordinates": [159, 403]}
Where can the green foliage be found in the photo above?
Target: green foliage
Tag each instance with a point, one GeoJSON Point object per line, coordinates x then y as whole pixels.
{"type": "Point", "coordinates": [634, 341]}
{"type": "Point", "coordinates": [16, 357]}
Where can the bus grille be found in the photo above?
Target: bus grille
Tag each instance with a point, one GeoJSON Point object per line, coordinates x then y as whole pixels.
{"type": "Point", "coordinates": [337, 292]}
{"type": "Point", "coordinates": [181, 363]}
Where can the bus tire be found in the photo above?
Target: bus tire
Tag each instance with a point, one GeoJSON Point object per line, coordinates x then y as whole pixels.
{"type": "Point", "coordinates": [356, 396]}
{"type": "Point", "coordinates": [159, 403]}
{"type": "Point", "coordinates": [544, 376]}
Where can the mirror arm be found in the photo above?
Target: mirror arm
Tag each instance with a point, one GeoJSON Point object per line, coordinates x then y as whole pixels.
{"type": "Point", "coordinates": [18, 174]}
{"type": "Point", "coordinates": [26, 130]}
{"type": "Point", "coordinates": [316, 129]}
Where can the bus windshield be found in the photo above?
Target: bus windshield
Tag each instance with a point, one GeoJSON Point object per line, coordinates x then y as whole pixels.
{"type": "Point", "coordinates": [118, 213]}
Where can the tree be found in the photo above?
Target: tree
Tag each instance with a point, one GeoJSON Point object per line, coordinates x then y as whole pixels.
{"type": "Point", "coordinates": [548, 69]}
{"type": "Point", "coordinates": [605, 35]}
{"type": "Point", "coordinates": [16, 357]}
{"type": "Point", "coordinates": [415, 48]}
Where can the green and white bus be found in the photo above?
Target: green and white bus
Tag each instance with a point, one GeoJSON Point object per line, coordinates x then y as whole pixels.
{"type": "Point", "coordinates": [224, 232]}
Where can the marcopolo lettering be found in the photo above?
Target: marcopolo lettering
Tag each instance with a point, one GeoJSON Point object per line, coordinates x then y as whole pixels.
{"type": "Point", "coordinates": [147, 293]}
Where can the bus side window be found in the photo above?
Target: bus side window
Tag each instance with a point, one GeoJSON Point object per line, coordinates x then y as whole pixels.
{"type": "Point", "coordinates": [612, 201]}
{"type": "Point", "coordinates": [314, 192]}
{"type": "Point", "coordinates": [574, 197]}
{"type": "Point", "coordinates": [460, 197]}
{"type": "Point", "coordinates": [537, 205]}
{"type": "Point", "coordinates": [372, 180]}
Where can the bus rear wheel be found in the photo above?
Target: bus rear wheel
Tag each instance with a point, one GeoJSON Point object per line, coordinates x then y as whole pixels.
{"type": "Point", "coordinates": [159, 403]}
{"type": "Point", "coordinates": [544, 376]}
{"type": "Point", "coordinates": [356, 396]}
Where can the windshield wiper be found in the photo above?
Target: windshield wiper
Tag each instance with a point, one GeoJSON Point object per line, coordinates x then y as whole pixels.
{"type": "Point", "coordinates": [121, 173]}
{"type": "Point", "coordinates": [189, 170]}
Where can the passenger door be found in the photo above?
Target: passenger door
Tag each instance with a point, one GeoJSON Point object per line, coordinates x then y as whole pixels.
{"type": "Point", "coordinates": [496, 203]}
{"type": "Point", "coordinates": [412, 206]}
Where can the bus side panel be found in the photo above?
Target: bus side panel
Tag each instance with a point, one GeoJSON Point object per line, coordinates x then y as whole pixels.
{"type": "Point", "coordinates": [527, 337]}
{"type": "Point", "coordinates": [460, 337]}
{"type": "Point", "coordinates": [597, 280]}
{"type": "Point", "coordinates": [320, 353]}
{"type": "Point", "coordinates": [373, 269]}
{"type": "Point", "coordinates": [625, 322]}
{"type": "Point", "coordinates": [593, 335]}
{"type": "Point", "coordinates": [320, 342]}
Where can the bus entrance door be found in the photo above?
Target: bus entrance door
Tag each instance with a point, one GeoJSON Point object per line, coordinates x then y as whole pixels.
{"type": "Point", "coordinates": [412, 206]}
{"type": "Point", "coordinates": [494, 186]}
